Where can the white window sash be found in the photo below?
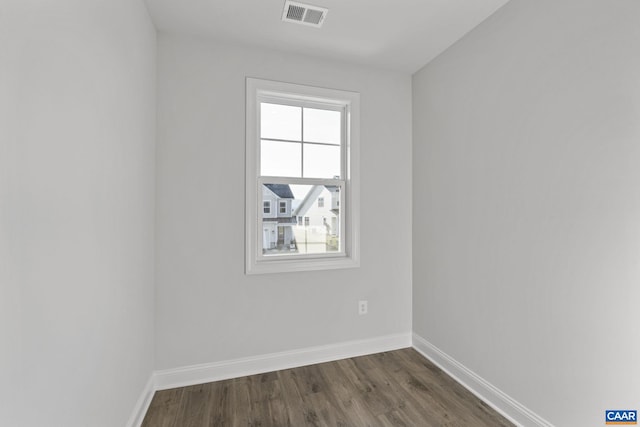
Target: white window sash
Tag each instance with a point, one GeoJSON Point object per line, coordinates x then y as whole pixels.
{"type": "Point", "coordinates": [341, 184]}
{"type": "Point", "coordinates": [349, 207]}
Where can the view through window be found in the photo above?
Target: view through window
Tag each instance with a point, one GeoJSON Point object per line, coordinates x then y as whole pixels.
{"type": "Point", "coordinates": [301, 162]}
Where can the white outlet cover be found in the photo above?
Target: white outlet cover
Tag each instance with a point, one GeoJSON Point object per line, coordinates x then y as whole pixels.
{"type": "Point", "coordinates": [363, 307]}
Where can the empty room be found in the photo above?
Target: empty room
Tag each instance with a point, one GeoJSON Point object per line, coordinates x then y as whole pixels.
{"type": "Point", "coordinates": [322, 213]}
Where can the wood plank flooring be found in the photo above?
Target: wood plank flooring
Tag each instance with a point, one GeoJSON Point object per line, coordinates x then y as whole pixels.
{"type": "Point", "coordinates": [396, 388]}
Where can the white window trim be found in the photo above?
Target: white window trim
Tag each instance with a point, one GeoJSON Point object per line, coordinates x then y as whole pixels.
{"type": "Point", "coordinates": [350, 197]}
{"type": "Point", "coordinates": [264, 205]}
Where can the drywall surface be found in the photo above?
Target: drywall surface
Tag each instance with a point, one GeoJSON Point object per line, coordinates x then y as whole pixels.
{"type": "Point", "coordinates": [77, 129]}
{"type": "Point", "coordinates": [208, 310]}
{"type": "Point", "coordinates": [526, 205]}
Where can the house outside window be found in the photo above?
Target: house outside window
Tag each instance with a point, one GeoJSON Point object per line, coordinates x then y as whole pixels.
{"type": "Point", "coordinates": [302, 149]}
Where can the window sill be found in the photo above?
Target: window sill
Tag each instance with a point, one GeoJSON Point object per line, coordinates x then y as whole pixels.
{"type": "Point", "coordinates": [288, 266]}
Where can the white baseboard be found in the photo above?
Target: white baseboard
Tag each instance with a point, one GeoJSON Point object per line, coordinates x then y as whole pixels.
{"type": "Point", "coordinates": [142, 405]}
{"type": "Point", "coordinates": [491, 395]}
{"type": "Point", "coordinates": [217, 371]}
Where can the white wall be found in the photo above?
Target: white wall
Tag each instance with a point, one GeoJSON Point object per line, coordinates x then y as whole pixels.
{"type": "Point", "coordinates": [207, 309]}
{"type": "Point", "coordinates": [526, 248]}
{"type": "Point", "coordinates": [77, 129]}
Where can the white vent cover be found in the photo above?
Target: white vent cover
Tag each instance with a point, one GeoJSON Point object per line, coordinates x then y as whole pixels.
{"type": "Point", "coordinates": [305, 14]}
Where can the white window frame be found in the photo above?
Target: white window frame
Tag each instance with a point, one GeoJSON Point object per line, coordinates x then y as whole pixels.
{"type": "Point", "coordinates": [264, 206]}
{"type": "Point", "coordinates": [258, 90]}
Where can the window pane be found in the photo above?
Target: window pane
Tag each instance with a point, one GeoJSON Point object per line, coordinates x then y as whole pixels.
{"type": "Point", "coordinates": [302, 227]}
{"type": "Point", "coordinates": [321, 126]}
{"type": "Point", "coordinates": [321, 161]}
{"type": "Point", "coordinates": [280, 159]}
{"type": "Point", "coordinates": [280, 122]}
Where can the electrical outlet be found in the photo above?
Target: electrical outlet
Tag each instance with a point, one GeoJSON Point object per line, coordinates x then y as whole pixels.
{"type": "Point", "coordinates": [362, 307]}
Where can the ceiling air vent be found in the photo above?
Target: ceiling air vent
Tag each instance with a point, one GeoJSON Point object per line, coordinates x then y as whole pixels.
{"type": "Point", "coordinates": [305, 14]}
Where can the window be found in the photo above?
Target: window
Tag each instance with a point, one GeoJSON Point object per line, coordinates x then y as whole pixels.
{"type": "Point", "coordinates": [302, 149]}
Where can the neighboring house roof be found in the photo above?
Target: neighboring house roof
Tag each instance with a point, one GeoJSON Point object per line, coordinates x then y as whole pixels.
{"type": "Point", "coordinates": [281, 190]}
{"type": "Point", "coordinates": [308, 200]}
{"type": "Point", "coordinates": [312, 197]}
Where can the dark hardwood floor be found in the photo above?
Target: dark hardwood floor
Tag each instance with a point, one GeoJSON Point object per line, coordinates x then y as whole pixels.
{"type": "Point", "coordinates": [396, 388]}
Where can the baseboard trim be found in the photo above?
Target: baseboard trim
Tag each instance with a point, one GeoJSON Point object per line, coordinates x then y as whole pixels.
{"type": "Point", "coordinates": [199, 374]}
{"type": "Point", "coordinates": [142, 405]}
{"type": "Point", "coordinates": [487, 392]}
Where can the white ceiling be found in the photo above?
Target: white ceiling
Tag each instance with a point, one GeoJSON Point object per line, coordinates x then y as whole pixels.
{"type": "Point", "coordinates": [402, 35]}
